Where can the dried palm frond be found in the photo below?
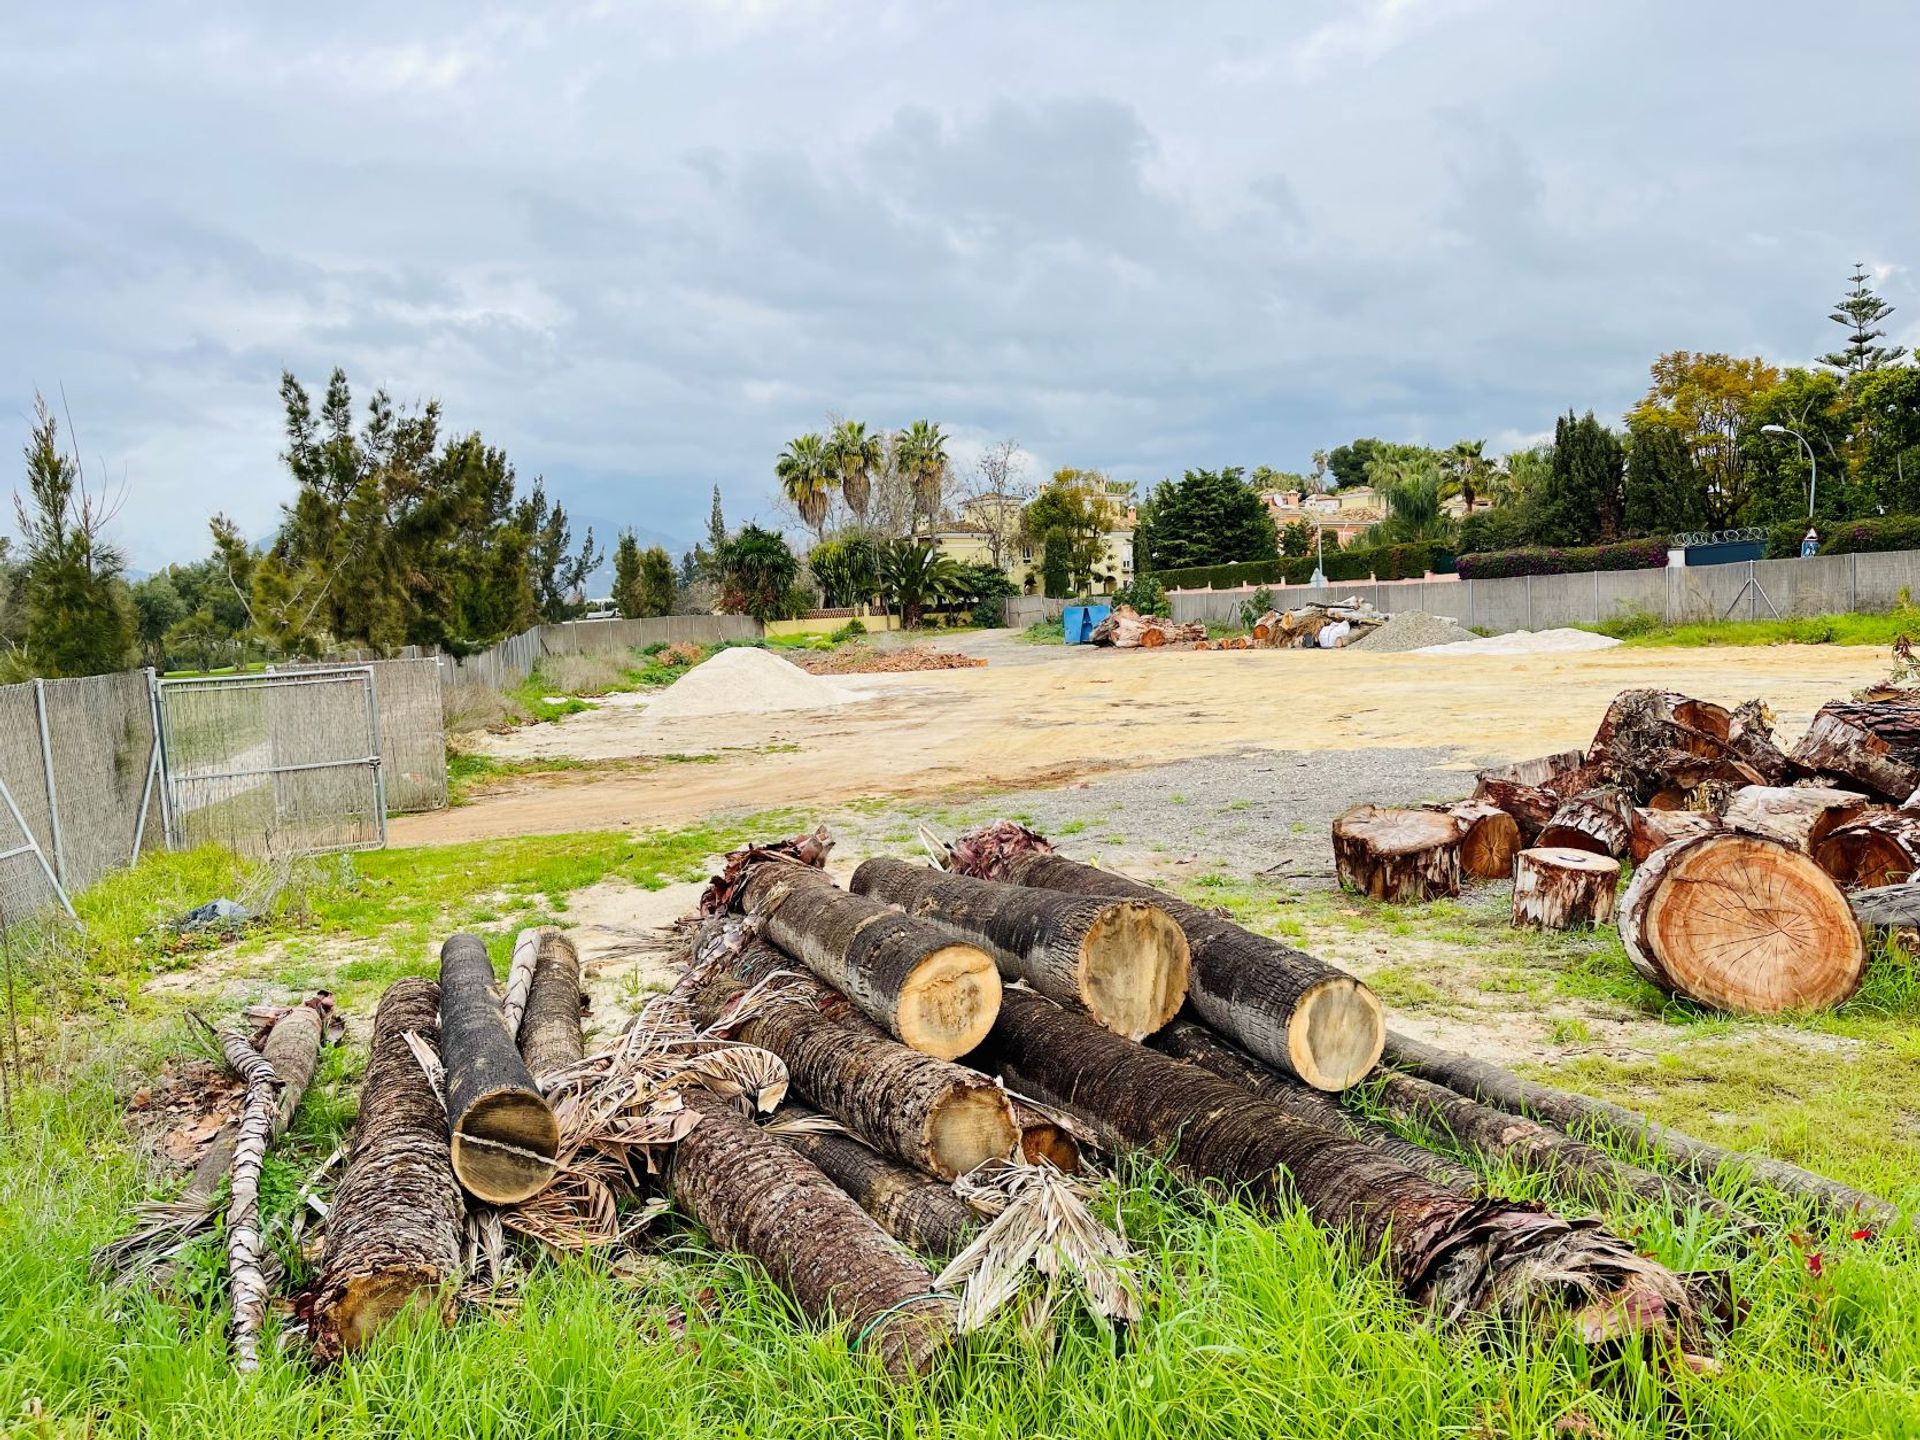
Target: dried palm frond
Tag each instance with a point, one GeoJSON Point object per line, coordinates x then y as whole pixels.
{"type": "Point", "coordinates": [804, 1122]}
{"type": "Point", "coordinates": [1043, 1223]}
{"type": "Point", "coordinates": [808, 849]}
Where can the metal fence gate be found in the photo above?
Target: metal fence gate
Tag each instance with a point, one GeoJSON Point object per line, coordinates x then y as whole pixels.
{"type": "Point", "coordinates": [273, 765]}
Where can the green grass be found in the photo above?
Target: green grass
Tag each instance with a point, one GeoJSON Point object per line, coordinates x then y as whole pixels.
{"type": "Point", "coordinates": [470, 775]}
{"type": "Point", "coordinates": [1043, 632]}
{"type": "Point", "coordinates": [1849, 629]}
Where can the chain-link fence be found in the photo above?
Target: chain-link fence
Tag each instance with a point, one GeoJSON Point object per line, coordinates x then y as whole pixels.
{"type": "Point", "coordinates": [413, 732]}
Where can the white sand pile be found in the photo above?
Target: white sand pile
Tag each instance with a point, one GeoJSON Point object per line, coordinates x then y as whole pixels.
{"type": "Point", "coordinates": [1527, 642]}
{"type": "Point", "coordinates": [1411, 630]}
{"type": "Point", "coordinates": [745, 681]}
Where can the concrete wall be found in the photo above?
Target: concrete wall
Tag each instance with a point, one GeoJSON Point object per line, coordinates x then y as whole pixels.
{"type": "Point", "coordinates": [827, 624]}
{"type": "Point", "coordinates": [1824, 585]}
{"type": "Point", "coordinates": [1021, 611]}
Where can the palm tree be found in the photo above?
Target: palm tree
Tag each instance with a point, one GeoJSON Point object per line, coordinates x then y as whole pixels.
{"type": "Point", "coordinates": [807, 477]}
{"type": "Point", "coordinates": [852, 453]}
{"type": "Point", "coordinates": [1412, 489]}
{"type": "Point", "coordinates": [914, 575]}
{"type": "Point", "coordinates": [920, 451]}
{"type": "Point", "coordinates": [757, 571]}
{"type": "Point", "coordinates": [1468, 462]}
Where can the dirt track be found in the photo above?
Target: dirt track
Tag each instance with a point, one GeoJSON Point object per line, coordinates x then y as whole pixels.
{"type": "Point", "coordinates": [1039, 716]}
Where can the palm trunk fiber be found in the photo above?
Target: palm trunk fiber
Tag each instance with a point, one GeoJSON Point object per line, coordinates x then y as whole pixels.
{"type": "Point", "coordinates": [1279, 1004]}
{"type": "Point", "coordinates": [1445, 1250]}
{"type": "Point", "coordinates": [932, 1114]}
{"type": "Point", "coordinates": [526, 956]}
{"type": "Point", "coordinates": [1124, 961]}
{"type": "Point", "coordinates": [1200, 1046]}
{"type": "Point", "coordinates": [246, 1283]}
{"type": "Point", "coordinates": [550, 1039]}
{"type": "Point", "coordinates": [761, 1198]}
{"type": "Point", "coordinates": [393, 1235]}
{"type": "Point", "coordinates": [922, 1214]}
{"type": "Point", "coordinates": [505, 1137]}
{"type": "Point", "coordinates": [1583, 1115]}
{"type": "Point", "coordinates": [292, 1048]}
{"type": "Point", "coordinates": [915, 981]}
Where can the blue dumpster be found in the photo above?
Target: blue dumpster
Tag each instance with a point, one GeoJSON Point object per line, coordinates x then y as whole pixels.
{"type": "Point", "coordinates": [1077, 621]}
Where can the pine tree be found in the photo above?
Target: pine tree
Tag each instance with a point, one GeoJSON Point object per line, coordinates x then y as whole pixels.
{"type": "Point", "coordinates": [1584, 488]}
{"type": "Point", "coordinates": [79, 620]}
{"type": "Point", "coordinates": [655, 582]}
{"type": "Point", "coordinates": [1861, 313]}
{"type": "Point", "coordinates": [626, 577]}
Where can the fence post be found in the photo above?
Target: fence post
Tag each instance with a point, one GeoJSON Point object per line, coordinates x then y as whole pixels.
{"type": "Point", "coordinates": [1529, 602]}
{"type": "Point", "coordinates": [169, 832]}
{"type": "Point", "coordinates": [1853, 582]}
{"type": "Point", "coordinates": [53, 793]}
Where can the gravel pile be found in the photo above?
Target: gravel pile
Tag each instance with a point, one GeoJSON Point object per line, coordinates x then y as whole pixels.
{"type": "Point", "coordinates": [745, 681]}
{"type": "Point", "coordinates": [1413, 630]}
{"type": "Point", "coordinates": [1527, 642]}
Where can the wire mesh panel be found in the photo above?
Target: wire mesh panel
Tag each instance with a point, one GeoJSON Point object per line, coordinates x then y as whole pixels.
{"type": "Point", "coordinates": [274, 765]}
{"type": "Point", "coordinates": [24, 889]}
{"type": "Point", "coordinates": [100, 736]}
{"type": "Point", "coordinates": [413, 734]}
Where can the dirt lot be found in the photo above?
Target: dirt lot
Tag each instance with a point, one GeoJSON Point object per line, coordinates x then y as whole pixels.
{"type": "Point", "coordinates": [1042, 716]}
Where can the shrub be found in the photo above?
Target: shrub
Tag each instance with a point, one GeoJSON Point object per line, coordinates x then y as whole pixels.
{"type": "Point", "coordinates": [1861, 537]}
{"type": "Point", "coordinates": [1145, 594]}
{"type": "Point", "coordinates": [847, 632]}
{"type": "Point", "coordinates": [1557, 560]}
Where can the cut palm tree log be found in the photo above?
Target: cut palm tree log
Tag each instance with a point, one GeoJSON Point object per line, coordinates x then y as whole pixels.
{"type": "Point", "coordinates": [1532, 790]}
{"type": "Point", "coordinates": [1563, 889]}
{"type": "Point", "coordinates": [1200, 1046]}
{"type": "Point", "coordinates": [1045, 1140]}
{"type": "Point", "coordinates": [526, 958]}
{"type": "Point", "coordinates": [758, 1196]}
{"type": "Point", "coordinates": [1491, 840]}
{"type": "Point", "coordinates": [1296, 1013]}
{"type": "Point", "coordinates": [1585, 1117]}
{"type": "Point", "coordinates": [1654, 828]}
{"type": "Point", "coordinates": [1743, 924]}
{"type": "Point", "coordinates": [930, 1113]}
{"type": "Point", "coordinates": [916, 981]}
{"type": "Point", "coordinates": [246, 1282]}
{"type": "Point", "coordinates": [1457, 1255]}
{"type": "Point", "coordinates": [550, 1038]}
{"type": "Point", "coordinates": [1882, 847]}
{"type": "Point", "coordinates": [393, 1233]}
{"type": "Point", "coordinates": [1397, 855]}
{"type": "Point", "coordinates": [1123, 961]}
{"type": "Point", "coordinates": [505, 1137]}
{"type": "Point", "coordinates": [921, 1213]}
{"type": "Point", "coordinates": [1873, 745]}
{"type": "Point", "coordinates": [1797, 815]}
{"type": "Point", "coordinates": [1598, 820]}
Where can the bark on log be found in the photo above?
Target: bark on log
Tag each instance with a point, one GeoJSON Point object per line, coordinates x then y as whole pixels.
{"type": "Point", "coordinates": [1652, 828]}
{"type": "Point", "coordinates": [930, 1113]}
{"type": "Point", "coordinates": [1598, 821]}
{"type": "Point", "coordinates": [921, 1213]}
{"type": "Point", "coordinates": [1532, 790]}
{"type": "Point", "coordinates": [1397, 855]}
{"type": "Point", "coordinates": [1491, 839]}
{"type": "Point", "coordinates": [246, 1284]}
{"type": "Point", "coordinates": [1797, 815]}
{"type": "Point", "coordinates": [550, 1038]}
{"type": "Point", "coordinates": [526, 959]}
{"type": "Point", "coordinates": [1874, 745]}
{"type": "Point", "coordinates": [1296, 1013]}
{"type": "Point", "coordinates": [1561, 889]}
{"type": "Point", "coordinates": [292, 1048]}
{"type": "Point", "coordinates": [1888, 907]}
{"type": "Point", "coordinates": [393, 1234]}
{"type": "Point", "coordinates": [923, 987]}
{"type": "Point", "coordinates": [1455, 1254]}
{"type": "Point", "coordinates": [1200, 1046]}
{"type": "Point", "coordinates": [1742, 924]}
{"type": "Point", "coordinates": [1044, 1140]}
{"type": "Point", "coordinates": [1123, 961]}
{"type": "Point", "coordinates": [1882, 847]}
{"type": "Point", "coordinates": [761, 1198]}
{"type": "Point", "coordinates": [1582, 1116]}
{"type": "Point", "coordinates": [505, 1137]}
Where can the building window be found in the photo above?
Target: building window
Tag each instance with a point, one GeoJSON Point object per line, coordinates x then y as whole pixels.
{"type": "Point", "coordinates": [1026, 553]}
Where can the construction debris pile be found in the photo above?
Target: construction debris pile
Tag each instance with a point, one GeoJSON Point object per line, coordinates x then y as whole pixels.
{"type": "Point", "coordinates": [1746, 854]}
{"type": "Point", "coordinates": [860, 658]}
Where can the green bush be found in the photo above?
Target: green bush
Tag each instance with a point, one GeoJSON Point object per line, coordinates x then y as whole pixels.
{"type": "Point", "coordinates": [1383, 562]}
{"type": "Point", "coordinates": [1558, 560]}
{"type": "Point", "coordinates": [1862, 537]}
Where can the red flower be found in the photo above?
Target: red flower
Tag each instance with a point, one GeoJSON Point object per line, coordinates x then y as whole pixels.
{"type": "Point", "coordinates": [1813, 1263]}
{"type": "Point", "coordinates": [1861, 1235]}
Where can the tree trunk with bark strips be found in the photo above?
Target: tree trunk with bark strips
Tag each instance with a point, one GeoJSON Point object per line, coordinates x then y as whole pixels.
{"type": "Point", "coordinates": [1560, 889]}
{"type": "Point", "coordinates": [1653, 829]}
{"type": "Point", "coordinates": [526, 958]}
{"type": "Point", "coordinates": [1296, 1013]}
{"type": "Point", "coordinates": [1598, 820]}
{"type": "Point", "coordinates": [1398, 855]}
{"type": "Point", "coordinates": [1741, 924]}
{"type": "Point", "coordinates": [505, 1137]}
{"type": "Point", "coordinates": [246, 1283]}
{"type": "Point", "coordinates": [1797, 815]}
{"type": "Point", "coordinates": [1882, 847]}
{"type": "Point", "coordinates": [550, 1037]}
{"type": "Point", "coordinates": [921, 1213]}
{"type": "Point", "coordinates": [1873, 745]}
{"type": "Point", "coordinates": [393, 1234]}
{"type": "Point", "coordinates": [1123, 961]}
{"type": "Point", "coordinates": [1532, 790]}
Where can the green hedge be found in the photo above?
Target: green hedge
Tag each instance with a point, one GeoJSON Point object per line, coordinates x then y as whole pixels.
{"type": "Point", "coordinates": [1863, 537]}
{"type": "Point", "coordinates": [1569, 560]}
{"type": "Point", "coordinates": [1382, 562]}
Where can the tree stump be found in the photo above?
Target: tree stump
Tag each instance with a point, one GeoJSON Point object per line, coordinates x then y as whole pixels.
{"type": "Point", "coordinates": [1398, 855]}
{"type": "Point", "coordinates": [1743, 924]}
{"type": "Point", "coordinates": [1597, 820]}
{"type": "Point", "coordinates": [1491, 841]}
{"type": "Point", "coordinates": [1797, 815]}
{"type": "Point", "coordinates": [1880, 848]}
{"type": "Point", "coordinates": [1560, 888]}
{"type": "Point", "coordinates": [1872, 744]}
{"type": "Point", "coordinates": [1652, 828]}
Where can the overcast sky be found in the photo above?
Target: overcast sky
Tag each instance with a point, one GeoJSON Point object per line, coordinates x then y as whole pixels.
{"type": "Point", "coordinates": [641, 245]}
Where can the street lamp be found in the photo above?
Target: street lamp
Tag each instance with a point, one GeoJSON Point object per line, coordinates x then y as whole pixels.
{"type": "Point", "coordinates": [1813, 466]}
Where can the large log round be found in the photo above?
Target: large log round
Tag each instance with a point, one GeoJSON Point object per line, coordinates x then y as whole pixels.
{"type": "Point", "coordinates": [1563, 889]}
{"type": "Point", "coordinates": [1397, 855]}
{"type": "Point", "coordinates": [1491, 840]}
{"type": "Point", "coordinates": [1743, 924]}
{"type": "Point", "coordinates": [1880, 848]}
{"type": "Point", "coordinates": [1874, 745]}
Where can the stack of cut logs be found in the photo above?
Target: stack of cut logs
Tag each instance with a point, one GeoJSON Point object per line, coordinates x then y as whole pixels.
{"type": "Point", "coordinates": [1327, 627]}
{"type": "Point", "coordinates": [1014, 1006]}
{"type": "Point", "coordinates": [1744, 852]}
{"type": "Point", "coordinates": [1127, 629]}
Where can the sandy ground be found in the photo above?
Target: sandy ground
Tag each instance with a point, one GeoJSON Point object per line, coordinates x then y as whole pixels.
{"type": "Point", "coordinates": [1044, 716]}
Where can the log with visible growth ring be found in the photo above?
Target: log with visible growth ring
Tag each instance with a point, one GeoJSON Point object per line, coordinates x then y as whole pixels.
{"type": "Point", "coordinates": [1490, 841]}
{"type": "Point", "coordinates": [1123, 961]}
{"type": "Point", "coordinates": [393, 1234]}
{"type": "Point", "coordinates": [928, 1112]}
{"type": "Point", "coordinates": [505, 1137]}
{"type": "Point", "coordinates": [1882, 847]}
{"type": "Point", "coordinates": [550, 1038]}
{"type": "Point", "coordinates": [1874, 745]}
{"type": "Point", "coordinates": [1562, 889]}
{"type": "Point", "coordinates": [1582, 1115]}
{"type": "Point", "coordinates": [1455, 1254]}
{"type": "Point", "coordinates": [916, 981]}
{"type": "Point", "coordinates": [1396, 855]}
{"type": "Point", "coordinates": [1294, 1012]}
{"type": "Point", "coordinates": [921, 1213]}
{"type": "Point", "coordinates": [1743, 924]}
